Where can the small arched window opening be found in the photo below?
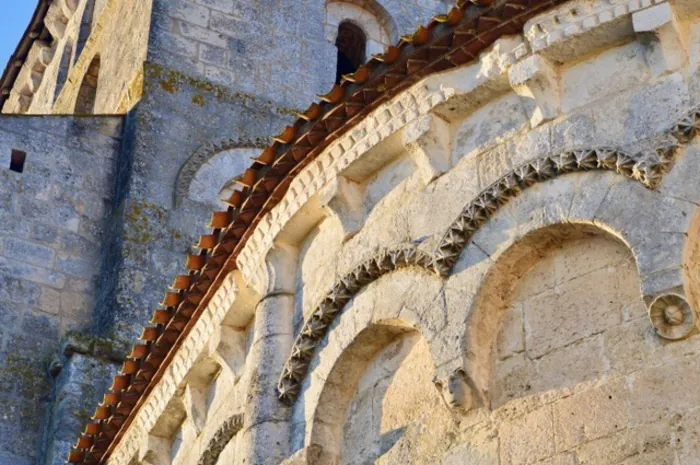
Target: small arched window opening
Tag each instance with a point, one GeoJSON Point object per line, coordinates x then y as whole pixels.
{"type": "Point", "coordinates": [85, 105]}
{"type": "Point", "coordinates": [85, 26]}
{"type": "Point", "coordinates": [351, 44]}
{"type": "Point", "coordinates": [64, 68]}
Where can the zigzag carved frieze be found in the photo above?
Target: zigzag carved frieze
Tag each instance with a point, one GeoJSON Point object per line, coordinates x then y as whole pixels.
{"type": "Point", "coordinates": [221, 439]}
{"type": "Point", "coordinates": [647, 169]}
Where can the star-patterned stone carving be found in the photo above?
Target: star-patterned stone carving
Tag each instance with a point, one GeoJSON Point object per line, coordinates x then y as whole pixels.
{"type": "Point", "coordinates": [586, 159]}
{"type": "Point", "coordinates": [648, 171]}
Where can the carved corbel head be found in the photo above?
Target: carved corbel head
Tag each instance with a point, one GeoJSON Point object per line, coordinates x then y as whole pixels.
{"type": "Point", "coordinates": [456, 390]}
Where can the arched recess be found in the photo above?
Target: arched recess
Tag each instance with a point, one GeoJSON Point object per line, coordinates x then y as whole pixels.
{"type": "Point", "coordinates": [87, 95]}
{"type": "Point", "coordinates": [397, 318]}
{"type": "Point", "coordinates": [545, 307]}
{"type": "Point", "coordinates": [543, 218]}
{"type": "Point", "coordinates": [206, 177]}
{"type": "Point", "coordinates": [372, 18]}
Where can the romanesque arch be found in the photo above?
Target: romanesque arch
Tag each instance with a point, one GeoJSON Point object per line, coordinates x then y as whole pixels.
{"type": "Point", "coordinates": [377, 341]}
{"type": "Point", "coordinates": [554, 192]}
{"type": "Point", "coordinates": [208, 176]}
{"type": "Point", "coordinates": [368, 15]}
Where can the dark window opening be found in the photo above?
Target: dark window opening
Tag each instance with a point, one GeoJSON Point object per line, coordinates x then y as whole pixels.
{"type": "Point", "coordinates": [17, 160]}
{"type": "Point", "coordinates": [351, 44]}
{"type": "Point", "coordinates": [85, 105]}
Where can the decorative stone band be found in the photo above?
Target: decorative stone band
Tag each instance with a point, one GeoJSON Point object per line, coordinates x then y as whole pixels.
{"type": "Point", "coordinates": [377, 126]}
{"type": "Point", "coordinates": [156, 399]}
{"type": "Point", "coordinates": [579, 18]}
{"type": "Point", "coordinates": [221, 438]}
{"type": "Point", "coordinates": [647, 169]}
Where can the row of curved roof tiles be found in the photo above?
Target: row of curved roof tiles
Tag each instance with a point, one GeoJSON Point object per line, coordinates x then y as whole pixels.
{"type": "Point", "coordinates": [448, 41]}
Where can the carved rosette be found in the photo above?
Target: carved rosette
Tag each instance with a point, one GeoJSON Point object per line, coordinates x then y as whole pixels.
{"type": "Point", "coordinates": [672, 316]}
{"type": "Point", "coordinates": [331, 305]}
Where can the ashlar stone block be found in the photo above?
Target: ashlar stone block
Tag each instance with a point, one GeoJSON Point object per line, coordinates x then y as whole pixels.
{"type": "Point", "coordinates": [528, 439]}
{"type": "Point", "coordinates": [592, 414]}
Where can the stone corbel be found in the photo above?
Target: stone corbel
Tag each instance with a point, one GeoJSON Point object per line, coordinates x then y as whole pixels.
{"type": "Point", "coordinates": [536, 80]}
{"type": "Point", "coordinates": [343, 199]}
{"type": "Point", "coordinates": [428, 141]}
{"type": "Point", "coordinates": [662, 35]}
{"type": "Point", "coordinates": [243, 307]}
{"type": "Point", "coordinates": [483, 81]}
{"type": "Point", "coordinates": [459, 390]}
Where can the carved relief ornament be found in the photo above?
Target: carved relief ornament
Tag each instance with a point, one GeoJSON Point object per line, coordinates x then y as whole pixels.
{"type": "Point", "coordinates": [647, 169]}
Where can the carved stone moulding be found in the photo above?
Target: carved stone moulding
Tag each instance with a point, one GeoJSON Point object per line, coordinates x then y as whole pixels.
{"type": "Point", "coordinates": [223, 436]}
{"type": "Point", "coordinates": [332, 304]}
{"type": "Point", "coordinates": [672, 316]}
{"type": "Point", "coordinates": [646, 168]}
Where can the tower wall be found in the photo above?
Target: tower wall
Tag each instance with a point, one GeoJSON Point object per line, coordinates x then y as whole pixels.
{"type": "Point", "coordinates": [52, 218]}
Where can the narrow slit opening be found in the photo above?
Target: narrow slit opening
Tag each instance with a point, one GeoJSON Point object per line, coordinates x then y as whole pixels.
{"type": "Point", "coordinates": [17, 160]}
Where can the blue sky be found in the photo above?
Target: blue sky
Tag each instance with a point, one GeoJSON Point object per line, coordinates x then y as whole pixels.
{"type": "Point", "coordinates": [14, 20]}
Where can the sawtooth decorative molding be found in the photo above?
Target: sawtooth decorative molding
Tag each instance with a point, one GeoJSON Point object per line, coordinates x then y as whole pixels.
{"type": "Point", "coordinates": [170, 350]}
{"type": "Point", "coordinates": [325, 313]}
{"type": "Point", "coordinates": [379, 125]}
{"type": "Point", "coordinates": [647, 169]}
{"type": "Point", "coordinates": [221, 438]}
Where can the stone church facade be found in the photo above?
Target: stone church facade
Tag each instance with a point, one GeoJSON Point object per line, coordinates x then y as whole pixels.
{"type": "Point", "coordinates": [347, 232]}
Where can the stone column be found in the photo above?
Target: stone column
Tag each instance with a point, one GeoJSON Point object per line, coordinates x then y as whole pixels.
{"type": "Point", "coordinates": [265, 439]}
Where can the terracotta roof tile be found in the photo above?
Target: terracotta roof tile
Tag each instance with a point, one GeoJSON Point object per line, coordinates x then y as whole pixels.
{"type": "Point", "coordinates": [446, 42]}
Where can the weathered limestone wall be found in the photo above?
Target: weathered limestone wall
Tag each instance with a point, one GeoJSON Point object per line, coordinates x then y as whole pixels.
{"type": "Point", "coordinates": [277, 51]}
{"type": "Point", "coordinates": [115, 30]}
{"type": "Point", "coordinates": [508, 248]}
{"type": "Point", "coordinates": [178, 128]}
{"type": "Point", "coordinates": [52, 218]}
{"type": "Point", "coordinates": [119, 37]}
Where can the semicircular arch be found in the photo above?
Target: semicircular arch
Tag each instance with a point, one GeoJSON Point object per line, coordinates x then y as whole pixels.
{"type": "Point", "coordinates": [206, 175]}
{"type": "Point", "coordinates": [546, 216]}
{"type": "Point", "coordinates": [403, 302]}
{"type": "Point", "coordinates": [369, 15]}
